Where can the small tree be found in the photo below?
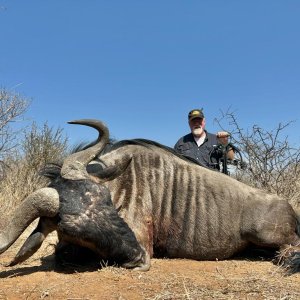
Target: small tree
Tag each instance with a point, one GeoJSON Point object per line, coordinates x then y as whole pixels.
{"type": "Point", "coordinates": [44, 145]}
{"type": "Point", "coordinates": [40, 146]}
{"type": "Point", "coordinates": [12, 108]}
{"type": "Point", "coordinates": [272, 163]}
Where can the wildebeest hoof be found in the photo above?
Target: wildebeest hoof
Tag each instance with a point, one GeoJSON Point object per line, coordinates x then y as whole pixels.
{"type": "Point", "coordinates": [141, 263]}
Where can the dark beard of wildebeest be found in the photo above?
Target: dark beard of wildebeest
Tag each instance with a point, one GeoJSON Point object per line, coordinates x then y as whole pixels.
{"type": "Point", "coordinates": [79, 209]}
{"type": "Point", "coordinates": [174, 207]}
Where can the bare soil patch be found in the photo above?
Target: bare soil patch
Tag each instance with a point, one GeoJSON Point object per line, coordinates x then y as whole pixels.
{"type": "Point", "coordinates": [41, 278]}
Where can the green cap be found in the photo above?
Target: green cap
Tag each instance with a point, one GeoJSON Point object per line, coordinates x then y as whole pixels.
{"type": "Point", "coordinates": [196, 113]}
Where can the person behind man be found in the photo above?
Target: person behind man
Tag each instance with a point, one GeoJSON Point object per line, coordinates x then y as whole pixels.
{"type": "Point", "coordinates": [202, 145]}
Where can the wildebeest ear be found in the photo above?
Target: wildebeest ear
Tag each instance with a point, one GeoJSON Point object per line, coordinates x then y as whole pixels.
{"type": "Point", "coordinates": [108, 173]}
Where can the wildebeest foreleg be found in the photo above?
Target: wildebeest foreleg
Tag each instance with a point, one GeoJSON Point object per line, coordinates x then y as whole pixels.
{"type": "Point", "coordinates": [34, 241]}
{"type": "Point", "coordinates": [100, 229]}
{"type": "Point", "coordinates": [143, 230]}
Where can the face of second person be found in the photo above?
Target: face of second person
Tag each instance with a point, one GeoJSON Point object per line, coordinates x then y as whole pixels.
{"type": "Point", "coordinates": [197, 126]}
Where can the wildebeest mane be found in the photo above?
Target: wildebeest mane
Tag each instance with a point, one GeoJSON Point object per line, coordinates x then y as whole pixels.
{"type": "Point", "coordinates": [148, 144]}
{"type": "Point", "coordinates": [114, 145]}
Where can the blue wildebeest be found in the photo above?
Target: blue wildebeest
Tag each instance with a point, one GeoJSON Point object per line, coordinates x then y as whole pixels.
{"type": "Point", "coordinates": [174, 207]}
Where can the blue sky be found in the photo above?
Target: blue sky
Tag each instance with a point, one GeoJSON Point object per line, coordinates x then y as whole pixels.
{"type": "Point", "coordinates": [140, 66]}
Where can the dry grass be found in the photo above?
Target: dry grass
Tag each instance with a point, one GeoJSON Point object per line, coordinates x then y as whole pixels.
{"type": "Point", "coordinates": [167, 279]}
{"type": "Point", "coordinates": [19, 182]}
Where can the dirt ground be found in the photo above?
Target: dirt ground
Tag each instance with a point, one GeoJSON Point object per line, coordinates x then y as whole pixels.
{"type": "Point", "coordinates": [40, 278]}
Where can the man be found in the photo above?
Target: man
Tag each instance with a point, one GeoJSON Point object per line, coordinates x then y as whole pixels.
{"type": "Point", "coordinates": [201, 145]}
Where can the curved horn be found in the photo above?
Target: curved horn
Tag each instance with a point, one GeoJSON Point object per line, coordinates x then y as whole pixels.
{"type": "Point", "coordinates": [74, 166]}
{"type": "Point", "coordinates": [42, 203]}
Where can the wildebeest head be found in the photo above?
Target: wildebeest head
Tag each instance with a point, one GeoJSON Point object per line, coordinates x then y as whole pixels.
{"type": "Point", "coordinates": [45, 202]}
{"type": "Point", "coordinates": [79, 208]}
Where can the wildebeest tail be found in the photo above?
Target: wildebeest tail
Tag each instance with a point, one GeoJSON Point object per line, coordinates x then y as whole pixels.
{"type": "Point", "coordinates": [289, 256]}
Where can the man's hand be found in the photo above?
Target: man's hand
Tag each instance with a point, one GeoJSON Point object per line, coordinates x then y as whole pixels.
{"type": "Point", "coordinates": [221, 134]}
{"type": "Point", "coordinates": [223, 137]}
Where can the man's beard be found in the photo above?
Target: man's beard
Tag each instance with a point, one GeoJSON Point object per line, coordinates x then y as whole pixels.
{"type": "Point", "coordinates": [197, 131]}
